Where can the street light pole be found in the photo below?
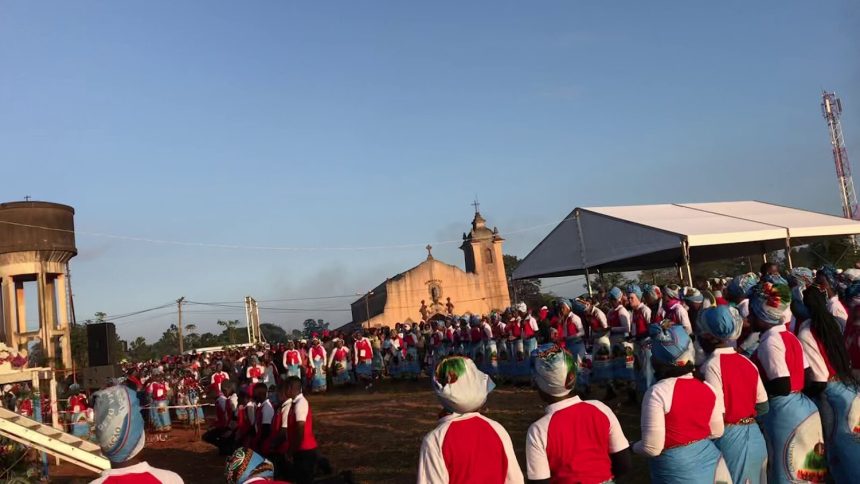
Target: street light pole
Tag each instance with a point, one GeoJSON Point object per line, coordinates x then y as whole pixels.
{"type": "Point", "coordinates": [367, 307]}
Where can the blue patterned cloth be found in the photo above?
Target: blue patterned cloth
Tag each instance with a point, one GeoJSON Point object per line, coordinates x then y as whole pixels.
{"type": "Point", "coordinates": [119, 425]}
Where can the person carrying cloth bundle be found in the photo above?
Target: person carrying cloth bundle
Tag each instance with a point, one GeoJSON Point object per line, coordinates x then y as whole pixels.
{"type": "Point", "coordinates": [465, 447]}
{"type": "Point", "coordinates": [576, 440]}
{"type": "Point", "coordinates": [680, 415]}
{"type": "Point", "coordinates": [737, 383]}
{"type": "Point", "coordinates": [792, 422]}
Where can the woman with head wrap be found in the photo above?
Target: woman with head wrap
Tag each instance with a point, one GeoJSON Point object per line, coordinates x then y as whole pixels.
{"type": "Point", "coordinates": [159, 396]}
{"type": "Point", "coordinates": [833, 385]}
{"type": "Point", "coordinates": [411, 365]}
{"type": "Point", "coordinates": [601, 347]}
{"type": "Point", "coordinates": [641, 319]}
{"type": "Point", "coordinates": [652, 296]}
{"type": "Point", "coordinates": [340, 364]}
{"type": "Point", "coordinates": [465, 446]}
{"type": "Point", "coordinates": [675, 311]}
{"type": "Point", "coordinates": [572, 329]}
{"type": "Point", "coordinates": [792, 421]}
{"type": "Point", "coordinates": [292, 360]}
{"type": "Point", "coordinates": [362, 354]}
{"type": "Point", "coordinates": [828, 280]}
{"type": "Point", "coordinates": [318, 362]}
{"type": "Point", "coordinates": [80, 424]}
{"type": "Point", "coordinates": [518, 363]}
{"type": "Point", "coordinates": [576, 440]}
{"type": "Point", "coordinates": [619, 322]}
{"type": "Point", "coordinates": [246, 466]}
{"type": "Point", "coordinates": [491, 351]}
{"type": "Point", "coordinates": [737, 383]}
{"type": "Point", "coordinates": [119, 433]}
{"type": "Point", "coordinates": [530, 329]}
{"type": "Point", "coordinates": [680, 415]}
{"type": "Point", "coordinates": [695, 301]}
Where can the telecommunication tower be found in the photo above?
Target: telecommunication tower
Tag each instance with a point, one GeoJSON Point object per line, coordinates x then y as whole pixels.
{"type": "Point", "coordinates": [831, 108]}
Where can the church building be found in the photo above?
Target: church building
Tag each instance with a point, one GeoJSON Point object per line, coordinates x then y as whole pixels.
{"type": "Point", "coordinates": [434, 289]}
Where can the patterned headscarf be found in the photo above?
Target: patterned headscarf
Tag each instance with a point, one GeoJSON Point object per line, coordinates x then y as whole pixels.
{"type": "Point", "coordinates": [564, 302]}
{"type": "Point", "coordinates": [634, 289]}
{"type": "Point", "coordinates": [653, 292]}
{"type": "Point", "coordinates": [670, 343]}
{"type": "Point", "coordinates": [724, 322]}
{"type": "Point", "coordinates": [119, 425]}
{"type": "Point", "coordinates": [553, 370]}
{"type": "Point", "coordinates": [852, 294]}
{"type": "Point", "coordinates": [769, 302]}
{"type": "Point", "coordinates": [802, 276]}
{"type": "Point", "coordinates": [693, 295]}
{"type": "Point", "coordinates": [578, 306]}
{"type": "Point", "coordinates": [672, 291]}
{"type": "Point", "coordinates": [460, 386]}
{"type": "Point", "coordinates": [615, 294]}
{"type": "Point", "coordinates": [741, 285]}
{"type": "Point", "coordinates": [521, 307]}
{"type": "Point", "coordinates": [246, 464]}
{"type": "Point", "coordinates": [774, 279]}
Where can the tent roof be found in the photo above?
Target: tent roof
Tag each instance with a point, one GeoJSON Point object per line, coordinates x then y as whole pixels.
{"type": "Point", "coordinates": [650, 236]}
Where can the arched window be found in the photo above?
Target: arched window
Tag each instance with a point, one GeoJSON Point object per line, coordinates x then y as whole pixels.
{"type": "Point", "coordinates": [488, 255]}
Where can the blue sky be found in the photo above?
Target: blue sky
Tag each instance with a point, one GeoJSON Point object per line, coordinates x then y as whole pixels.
{"type": "Point", "coordinates": [355, 124]}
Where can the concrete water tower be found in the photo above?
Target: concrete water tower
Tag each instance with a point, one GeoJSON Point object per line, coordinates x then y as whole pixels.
{"type": "Point", "coordinates": [37, 240]}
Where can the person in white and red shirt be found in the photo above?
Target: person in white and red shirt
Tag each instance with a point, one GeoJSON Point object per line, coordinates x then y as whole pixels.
{"type": "Point", "coordinates": [680, 415]}
{"type": "Point", "coordinates": [223, 429]}
{"type": "Point", "coordinates": [159, 413]}
{"type": "Point", "coordinates": [736, 381]}
{"type": "Point", "coordinates": [292, 360]}
{"type": "Point", "coordinates": [362, 355]}
{"type": "Point", "coordinates": [340, 364]}
{"type": "Point", "coordinates": [219, 377]}
{"type": "Point", "coordinates": [530, 329]}
{"type": "Point", "coordinates": [119, 433]}
{"type": "Point", "coordinates": [300, 434]}
{"type": "Point", "coordinates": [466, 447]}
{"type": "Point", "coordinates": [575, 441]}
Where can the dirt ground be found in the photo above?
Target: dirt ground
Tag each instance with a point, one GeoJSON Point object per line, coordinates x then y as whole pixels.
{"type": "Point", "coordinates": [376, 435]}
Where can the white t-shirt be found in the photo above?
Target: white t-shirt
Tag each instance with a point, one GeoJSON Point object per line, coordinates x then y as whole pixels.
{"type": "Point", "coordinates": [128, 474]}
{"type": "Point", "coordinates": [812, 354]}
{"type": "Point", "coordinates": [285, 413]}
{"type": "Point", "coordinates": [301, 408]}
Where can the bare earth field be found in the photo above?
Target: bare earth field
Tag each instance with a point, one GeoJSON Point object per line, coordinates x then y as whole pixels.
{"type": "Point", "coordinates": [376, 435]}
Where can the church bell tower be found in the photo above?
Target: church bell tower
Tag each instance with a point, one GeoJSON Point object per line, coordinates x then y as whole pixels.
{"type": "Point", "coordinates": [482, 249]}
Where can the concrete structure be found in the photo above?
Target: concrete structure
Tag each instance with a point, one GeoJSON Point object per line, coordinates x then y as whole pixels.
{"type": "Point", "coordinates": [435, 288]}
{"type": "Point", "coordinates": [37, 240]}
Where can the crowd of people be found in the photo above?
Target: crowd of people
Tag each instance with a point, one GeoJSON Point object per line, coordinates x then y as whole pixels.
{"type": "Point", "coordinates": [726, 374]}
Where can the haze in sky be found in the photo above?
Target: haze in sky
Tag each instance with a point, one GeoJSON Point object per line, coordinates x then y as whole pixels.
{"type": "Point", "coordinates": [343, 125]}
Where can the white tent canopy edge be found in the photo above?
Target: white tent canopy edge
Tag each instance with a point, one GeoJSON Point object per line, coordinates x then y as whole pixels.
{"type": "Point", "coordinates": [628, 238]}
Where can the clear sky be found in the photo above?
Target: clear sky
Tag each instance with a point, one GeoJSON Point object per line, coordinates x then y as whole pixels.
{"type": "Point", "coordinates": [359, 124]}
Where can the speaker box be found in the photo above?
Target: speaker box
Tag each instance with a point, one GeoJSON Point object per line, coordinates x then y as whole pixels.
{"type": "Point", "coordinates": [100, 337]}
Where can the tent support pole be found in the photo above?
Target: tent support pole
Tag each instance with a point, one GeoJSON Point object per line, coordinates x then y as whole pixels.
{"type": "Point", "coordinates": [687, 264]}
{"type": "Point", "coordinates": [788, 252]}
{"type": "Point", "coordinates": [588, 283]}
{"type": "Point", "coordinates": [680, 274]}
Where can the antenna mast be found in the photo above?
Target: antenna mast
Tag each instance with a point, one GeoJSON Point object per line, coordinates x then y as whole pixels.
{"type": "Point", "coordinates": [831, 108]}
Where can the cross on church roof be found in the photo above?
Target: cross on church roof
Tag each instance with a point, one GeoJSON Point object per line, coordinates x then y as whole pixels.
{"type": "Point", "coordinates": [429, 251]}
{"type": "Point", "coordinates": [476, 204]}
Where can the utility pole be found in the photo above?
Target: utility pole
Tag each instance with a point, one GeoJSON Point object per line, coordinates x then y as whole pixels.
{"type": "Point", "coordinates": [179, 307]}
{"type": "Point", "coordinates": [367, 306]}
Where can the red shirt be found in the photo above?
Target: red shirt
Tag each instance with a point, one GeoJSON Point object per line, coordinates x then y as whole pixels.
{"type": "Point", "coordinates": [300, 410]}
{"type": "Point", "coordinates": [689, 418]}
{"type": "Point", "coordinates": [474, 453]}
{"type": "Point", "coordinates": [739, 384]}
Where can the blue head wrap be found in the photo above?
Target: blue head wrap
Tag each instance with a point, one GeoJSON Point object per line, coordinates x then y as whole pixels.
{"type": "Point", "coordinates": [615, 294]}
{"type": "Point", "coordinates": [774, 279]}
{"type": "Point", "coordinates": [829, 274]}
{"type": "Point", "coordinates": [652, 291]}
{"type": "Point", "coordinates": [564, 302]}
{"type": "Point", "coordinates": [474, 320]}
{"type": "Point", "coordinates": [119, 425]}
{"type": "Point", "coordinates": [672, 291]}
{"type": "Point", "coordinates": [634, 289]}
{"type": "Point", "coordinates": [245, 464]}
{"type": "Point", "coordinates": [577, 306]}
{"type": "Point", "coordinates": [741, 285]}
{"type": "Point", "coordinates": [769, 302]}
{"type": "Point", "coordinates": [693, 295]}
{"type": "Point", "coordinates": [852, 294]}
{"type": "Point", "coordinates": [670, 345]}
{"type": "Point", "coordinates": [724, 322]}
{"type": "Point", "coordinates": [802, 276]}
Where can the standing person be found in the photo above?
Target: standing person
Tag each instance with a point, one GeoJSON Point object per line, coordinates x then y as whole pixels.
{"type": "Point", "coordinates": [411, 363]}
{"type": "Point", "coordinates": [300, 434]}
{"type": "Point", "coordinates": [78, 408]}
{"type": "Point", "coordinates": [264, 412]}
{"type": "Point", "coordinates": [339, 363]}
{"type": "Point", "coordinates": [362, 355]}
{"type": "Point", "coordinates": [792, 420]}
{"type": "Point", "coordinates": [619, 323]}
{"type": "Point", "coordinates": [491, 351]}
{"type": "Point", "coordinates": [576, 440]}
{"type": "Point", "coordinates": [652, 296]}
{"type": "Point", "coordinates": [834, 385]}
{"type": "Point", "coordinates": [641, 315]}
{"type": "Point", "coordinates": [159, 414]}
{"type": "Point", "coordinates": [738, 292]}
{"type": "Point", "coordinates": [465, 447]}
{"type": "Point", "coordinates": [119, 433]}
{"type": "Point", "coordinates": [680, 415]}
{"type": "Point", "coordinates": [318, 362]}
{"type": "Point", "coordinates": [827, 279]}
{"type": "Point", "coordinates": [737, 383]}
{"type": "Point", "coordinates": [601, 348]}
{"type": "Point", "coordinates": [530, 329]}
{"type": "Point", "coordinates": [255, 371]}
{"type": "Point", "coordinates": [219, 376]}
{"type": "Point", "coordinates": [293, 360]}
{"type": "Point", "coordinates": [572, 330]}
{"type": "Point", "coordinates": [518, 365]}
{"type": "Point", "coordinates": [675, 311]}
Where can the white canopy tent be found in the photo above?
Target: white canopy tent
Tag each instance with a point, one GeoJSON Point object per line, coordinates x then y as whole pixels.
{"type": "Point", "coordinates": [618, 239]}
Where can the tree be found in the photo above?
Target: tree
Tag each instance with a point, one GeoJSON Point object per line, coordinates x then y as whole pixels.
{"type": "Point", "coordinates": [312, 326]}
{"type": "Point", "coordinates": [526, 290]}
{"type": "Point", "coordinates": [273, 333]}
{"type": "Point", "coordinates": [139, 350]}
{"type": "Point", "coordinates": [837, 252]}
{"type": "Point", "coordinates": [229, 329]}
